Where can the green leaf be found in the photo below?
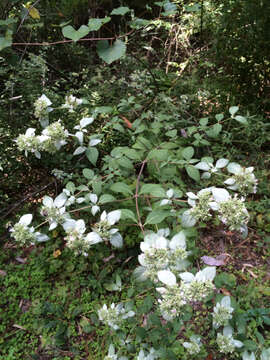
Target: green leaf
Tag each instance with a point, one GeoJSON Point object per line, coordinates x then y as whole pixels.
{"type": "Point", "coordinates": [97, 187]}
{"type": "Point", "coordinates": [122, 188]}
{"type": "Point", "coordinates": [88, 173]}
{"type": "Point", "coordinates": [95, 24]}
{"type": "Point", "coordinates": [188, 153]}
{"type": "Point", "coordinates": [214, 130]}
{"type": "Point", "coordinates": [111, 53]}
{"type": "Point", "coordinates": [92, 155]}
{"type": "Point", "coordinates": [70, 33]}
{"type": "Point", "coordinates": [125, 163]}
{"type": "Point", "coordinates": [156, 216]}
{"type": "Point", "coordinates": [106, 198]}
{"type": "Point", "coordinates": [193, 172]}
{"type": "Point", "coordinates": [160, 155]}
{"type": "Point", "coordinates": [241, 119]}
{"type": "Point", "coordinates": [5, 42]}
{"type": "Point", "coordinates": [122, 10]}
{"type": "Point", "coordinates": [225, 280]}
{"type": "Point", "coordinates": [133, 154]}
{"type": "Point", "coordinates": [128, 214]}
{"type": "Point", "coordinates": [153, 189]}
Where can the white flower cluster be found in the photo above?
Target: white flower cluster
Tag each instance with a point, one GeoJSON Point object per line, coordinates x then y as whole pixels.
{"type": "Point", "coordinates": [144, 355]}
{"type": "Point", "coordinates": [192, 289]}
{"type": "Point", "coordinates": [243, 180]}
{"type": "Point", "coordinates": [54, 210]}
{"type": "Point", "coordinates": [25, 235]}
{"type": "Point", "coordinates": [52, 138]}
{"type": "Point", "coordinates": [71, 102]}
{"type": "Point", "coordinates": [231, 211]}
{"type": "Point", "coordinates": [114, 315]}
{"type": "Point", "coordinates": [42, 109]}
{"type": "Point", "coordinates": [102, 230]}
{"type": "Point", "coordinates": [226, 342]}
{"type": "Point", "coordinates": [194, 346]}
{"type": "Point", "coordinates": [222, 312]}
{"type": "Point", "coordinates": [160, 253]}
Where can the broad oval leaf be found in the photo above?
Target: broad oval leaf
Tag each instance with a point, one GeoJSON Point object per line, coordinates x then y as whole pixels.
{"type": "Point", "coordinates": [234, 168]}
{"type": "Point", "coordinates": [188, 153]}
{"type": "Point", "coordinates": [153, 189]}
{"type": "Point", "coordinates": [122, 10]}
{"type": "Point", "coordinates": [157, 216]}
{"type": "Point", "coordinates": [111, 53]}
{"type": "Point", "coordinates": [92, 155]}
{"type": "Point", "coordinates": [121, 187]}
{"type": "Point", "coordinates": [221, 163]}
{"type": "Point", "coordinates": [193, 172]}
{"type": "Point", "coordinates": [70, 33]}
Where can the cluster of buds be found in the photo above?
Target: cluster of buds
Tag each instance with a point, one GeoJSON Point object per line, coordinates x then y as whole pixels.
{"type": "Point", "coordinates": [114, 315]}
{"type": "Point", "coordinates": [222, 312]}
{"type": "Point", "coordinates": [24, 234]}
{"type": "Point", "coordinates": [52, 138]}
{"type": "Point", "coordinates": [192, 289]}
{"type": "Point", "coordinates": [226, 342]}
{"type": "Point", "coordinates": [160, 253]}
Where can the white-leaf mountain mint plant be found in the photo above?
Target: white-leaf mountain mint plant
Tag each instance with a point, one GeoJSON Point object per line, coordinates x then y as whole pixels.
{"type": "Point", "coordinates": [25, 235]}
{"type": "Point", "coordinates": [230, 210]}
{"type": "Point", "coordinates": [194, 345]}
{"type": "Point", "coordinates": [222, 312]}
{"type": "Point", "coordinates": [160, 253]}
{"type": "Point", "coordinates": [114, 315]}
{"type": "Point", "coordinates": [190, 290]}
{"type": "Point", "coordinates": [226, 342]}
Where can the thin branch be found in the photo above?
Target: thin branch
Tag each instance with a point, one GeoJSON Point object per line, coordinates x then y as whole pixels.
{"type": "Point", "coordinates": [136, 195]}
{"type": "Point", "coordinates": [71, 41]}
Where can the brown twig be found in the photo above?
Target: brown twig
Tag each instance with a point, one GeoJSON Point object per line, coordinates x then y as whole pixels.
{"type": "Point", "coordinates": [70, 41]}
{"type": "Point", "coordinates": [136, 195]}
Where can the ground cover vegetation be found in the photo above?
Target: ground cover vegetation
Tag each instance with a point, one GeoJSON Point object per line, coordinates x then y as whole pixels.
{"type": "Point", "coordinates": [135, 199]}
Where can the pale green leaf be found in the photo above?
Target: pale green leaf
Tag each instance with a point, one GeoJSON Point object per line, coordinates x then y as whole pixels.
{"type": "Point", "coordinates": [157, 216]}
{"type": "Point", "coordinates": [122, 10]}
{"type": "Point", "coordinates": [193, 172]}
{"type": "Point", "coordinates": [70, 33]}
{"type": "Point", "coordinates": [95, 24]}
{"type": "Point", "coordinates": [92, 155]}
{"type": "Point", "coordinates": [110, 53]}
{"type": "Point", "coordinates": [121, 187]}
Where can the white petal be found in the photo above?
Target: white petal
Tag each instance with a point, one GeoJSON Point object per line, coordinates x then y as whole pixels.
{"type": "Point", "coordinates": [206, 175]}
{"type": "Point", "coordinates": [95, 209]}
{"type": "Point", "coordinates": [238, 343]}
{"type": "Point", "coordinates": [116, 240]}
{"type": "Point", "coordinates": [187, 219]}
{"type": "Point", "coordinates": [80, 226]}
{"type": "Point", "coordinates": [26, 219]}
{"type": "Point", "coordinates": [53, 225]}
{"type": "Point", "coordinates": [113, 216]}
{"type": "Point", "coordinates": [220, 194]}
{"type": "Point", "coordinates": [161, 243]}
{"type": "Point", "coordinates": [178, 241]}
{"type": "Point", "coordinates": [234, 168]}
{"type": "Point", "coordinates": [229, 181]}
{"type": "Point", "coordinates": [41, 237]}
{"type": "Point", "coordinates": [93, 238]}
{"type": "Point", "coordinates": [213, 205]}
{"type": "Point", "coordinates": [80, 200]}
{"type": "Point", "coordinates": [208, 273]}
{"type": "Point", "coordinates": [94, 142]}
{"type": "Point", "coordinates": [103, 216]}
{"type": "Point", "coordinates": [69, 225]}
{"type": "Point", "coordinates": [170, 193]}
{"type": "Point", "coordinates": [93, 198]}
{"type": "Point", "coordinates": [79, 136]}
{"type": "Point", "coordinates": [227, 330]}
{"type": "Point", "coordinates": [202, 166]}
{"type": "Point", "coordinates": [187, 277]}
{"type": "Point", "coordinates": [167, 277]}
{"type": "Point", "coordinates": [60, 200]}
{"type": "Point", "coordinates": [226, 301]}
{"type": "Point", "coordinates": [221, 163]}
{"type": "Point", "coordinates": [47, 201]}
{"type": "Point", "coordinates": [141, 259]}
{"type": "Point", "coordinates": [30, 132]}
{"type": "Point", "coordinates": [192, 196]}
{"type": "Point", "coordinates": [79, 150]}
{"type": "Point", "coordinates": [86, 121]}
{"type": "Point", "coordinates": [165, 202]}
